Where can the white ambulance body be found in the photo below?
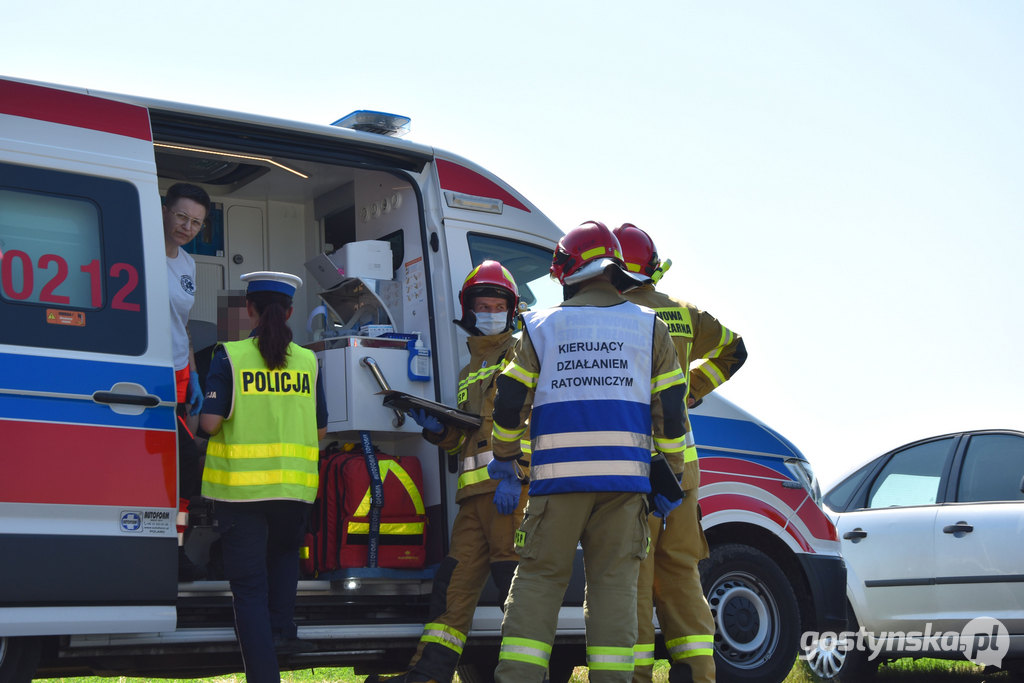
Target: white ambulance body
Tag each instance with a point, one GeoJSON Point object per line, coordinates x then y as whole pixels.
{"type": "Point", "coordinates": [88, 468]}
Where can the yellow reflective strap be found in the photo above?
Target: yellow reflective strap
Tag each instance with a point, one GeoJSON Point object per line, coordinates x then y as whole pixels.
{"type": "Point", "coordinates": [669, 379]}
{"type": "Point", "coordinates": [610, 658]}
{"type": "Point", "coordinates": [521, 375]}
{"type": "Point", "coordinates": [501, 434]}
{"type": "Point", "coordinates": [643, 654]}
{"type": "Point", "coordinates": [665, 445]}
{"type": "Point", "coordinates": [525, 650]}
{"type": "Point", "coordinates": [451, 638]}
{"type": "Point", "coordinates": [473, 477]}
{"type": "Point", "coordinates": [711, 372]}
{"type": "Point", "coordinates": [392, 467]}
{"type": "Point", "coordinates": [388, 528]}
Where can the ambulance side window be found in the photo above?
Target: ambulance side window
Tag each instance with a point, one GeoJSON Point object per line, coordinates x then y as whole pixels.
{"type": "Point", "coordinates": [529, 264]}
{"type": "Point", "coordinates": [71, 266]}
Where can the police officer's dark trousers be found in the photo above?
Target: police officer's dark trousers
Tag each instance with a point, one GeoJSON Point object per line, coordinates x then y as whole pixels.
{"type": "Point", "coordinates": [261, 541]}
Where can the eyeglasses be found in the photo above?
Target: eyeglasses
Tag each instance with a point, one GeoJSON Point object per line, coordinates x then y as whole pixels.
{"type": "Point", "coordinates": [193, 223]}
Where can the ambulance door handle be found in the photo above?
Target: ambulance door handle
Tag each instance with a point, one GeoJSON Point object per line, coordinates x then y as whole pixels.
{"type": "Point", "coordinates": [147, 401]}
{"type": "Point", "coordinates": [127, 398]}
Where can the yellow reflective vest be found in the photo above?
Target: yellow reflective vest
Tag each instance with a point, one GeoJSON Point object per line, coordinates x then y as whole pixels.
{"type": "Point", "coordinates": [267, 448]}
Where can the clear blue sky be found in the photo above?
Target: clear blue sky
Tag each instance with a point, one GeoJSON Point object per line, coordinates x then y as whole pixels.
{"type": "Point", "coordinates": [840, 182]}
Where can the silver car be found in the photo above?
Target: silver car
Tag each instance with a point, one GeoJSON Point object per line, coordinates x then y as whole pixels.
{"type": "Point", "coordinates": [933, 537]}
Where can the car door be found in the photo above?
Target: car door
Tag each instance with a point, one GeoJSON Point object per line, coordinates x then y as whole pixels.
{"type": "Point", "coordinates": [979, 535]}
{"type": "Point", "coordinates": [887, 537]}
{"type": "Point", "coordinates": [88, 491]}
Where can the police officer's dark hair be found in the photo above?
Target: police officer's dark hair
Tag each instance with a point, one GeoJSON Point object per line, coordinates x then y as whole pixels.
{"type": "Point", "coordinates": [272, 332]}
{"type": "Point", "coordinates": [187, 191]}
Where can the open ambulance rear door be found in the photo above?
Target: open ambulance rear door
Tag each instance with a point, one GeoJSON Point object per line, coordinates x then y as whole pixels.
{"type": "Point", "coordinates": [88, 478]}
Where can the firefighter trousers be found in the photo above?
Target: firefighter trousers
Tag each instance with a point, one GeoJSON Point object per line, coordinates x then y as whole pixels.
{"type": "Point", "coordinates": [612, 529]}
{"type": "Point", "coordinates": [483, 541]}
{"type": "Point", "coordinates": [670, 582]}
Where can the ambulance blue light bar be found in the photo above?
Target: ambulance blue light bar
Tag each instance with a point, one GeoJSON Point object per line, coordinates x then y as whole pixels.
{"type": "Point", "coordinates": [378, 122]}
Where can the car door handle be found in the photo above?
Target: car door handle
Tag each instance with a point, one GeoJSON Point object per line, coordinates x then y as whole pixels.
{"type": "Point", "coordinates": [855, 535]}
{"type": "Point", "coordinates": [958, 528]}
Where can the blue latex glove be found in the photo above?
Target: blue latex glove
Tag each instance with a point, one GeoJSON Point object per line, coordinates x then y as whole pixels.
{"type": "Point", "coordinates": [503, 469]}
{"type": "Point", "coordinates": [195, 393]}
{"type": "Point", "coordinates": [663, 507]}
{"type": "Point", "coordinates": [506, 497]}
{"type": "Point", "coordinates": [426, 421]}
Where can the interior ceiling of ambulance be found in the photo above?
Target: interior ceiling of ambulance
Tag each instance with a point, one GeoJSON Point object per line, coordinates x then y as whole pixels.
{"type": "Point", "coordinates": [252, 178]}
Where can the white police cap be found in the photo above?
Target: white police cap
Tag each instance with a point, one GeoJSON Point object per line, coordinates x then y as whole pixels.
{"type": "Point", "coordinates": [271, 281]}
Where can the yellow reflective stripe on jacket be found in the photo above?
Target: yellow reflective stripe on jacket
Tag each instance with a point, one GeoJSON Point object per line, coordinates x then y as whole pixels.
{"type": "Point", "coordinates": [712, 372]}
{"type": "Point", "coordinates": [474, 469]}
{"type": "Point", "coordinates": [525, 650]}
{"type": "Point", "coordinates": [499, 433]}
{"type": "Point", "coordinates": [690, 646]}
{"type": "Point", "coordinates": [727, 338]}
{"type": "Point", "coordinates": [445, 635]}
{"type": "Point", "coordinates": [482, 374]}
{"type": "Point", "coordinates": [610, 658]}
{"type": "Point", "coordinates": [392, 467]}
{"type": "Point", "coordinates": [388, 528]}
{"type": "Point", "coordinates": [669, 379]}
{"type": "Point", "coordinates": [667, 445]}
{"type": "Point", "coordinates": [521, 375]}
{"type": "Point", "coordinates": [643, 654]}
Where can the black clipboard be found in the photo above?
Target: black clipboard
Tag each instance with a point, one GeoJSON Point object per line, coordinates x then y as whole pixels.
{"type": "Point", "coordinates": [446, 414]}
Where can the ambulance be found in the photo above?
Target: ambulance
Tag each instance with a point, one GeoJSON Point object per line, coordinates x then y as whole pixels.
{"type": "Point", "coordinates": [383, 231]}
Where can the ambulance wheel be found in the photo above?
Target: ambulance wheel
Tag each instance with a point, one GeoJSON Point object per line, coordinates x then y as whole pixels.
{"type": "Point", "coordinates": [757, 618]}
{"type": "Point", "coordinates": [19, 658]}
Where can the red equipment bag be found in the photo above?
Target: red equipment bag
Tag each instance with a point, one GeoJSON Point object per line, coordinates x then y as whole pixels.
{"type": "Point", "coordinates": [341, 525]}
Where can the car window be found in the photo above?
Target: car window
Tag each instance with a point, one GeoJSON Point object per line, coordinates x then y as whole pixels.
{"type": "Point", "coordinates": [992, 469]}
{"type": "Point", "coordinates": [911, 477]}
{"type": "Point", "coordinates": [839, 497]}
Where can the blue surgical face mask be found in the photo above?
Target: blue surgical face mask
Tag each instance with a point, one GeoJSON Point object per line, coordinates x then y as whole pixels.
{"type": "Point", "coordinates": [491, 323]}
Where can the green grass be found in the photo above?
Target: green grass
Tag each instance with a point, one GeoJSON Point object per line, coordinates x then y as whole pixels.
{"type": "Point", "coordinates": [903, 670]}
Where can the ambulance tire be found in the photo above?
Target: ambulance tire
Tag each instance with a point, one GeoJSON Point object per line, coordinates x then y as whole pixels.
{"type": "Point", "coordinates": [19, 658]}
{"type": "Point", "coordinates": [757, 617]}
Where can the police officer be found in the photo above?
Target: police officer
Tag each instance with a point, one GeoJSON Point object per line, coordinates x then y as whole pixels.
{"type": "Point", "coordinates": [264, 414]}
{"type": "Point", "coordinates": [595, 376]}
{"type": "Point", "coordinates": [711, 353]}
{"type": "Point", "coordinates": [482, 535]}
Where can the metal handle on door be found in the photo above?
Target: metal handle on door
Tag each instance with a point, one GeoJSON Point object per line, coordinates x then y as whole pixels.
{"type": "Point", "coordinates": [855, 535]}
{"type": "Point", "coordinates": [958, 528]}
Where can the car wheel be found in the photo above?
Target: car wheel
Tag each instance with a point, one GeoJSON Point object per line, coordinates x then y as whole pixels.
{"type": "Point", "coordinates": [757, 619]}
{"type": "Point", "coordinates": [19, 658]}
{"type": "Point", "coordinates": [833, 661]}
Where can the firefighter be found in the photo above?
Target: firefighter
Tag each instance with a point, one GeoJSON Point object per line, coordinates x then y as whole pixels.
{"type": "Point", "coordinates": [185, 210]}
{"type": "Point", "coordinates": [482, 535]}
{"type": "Point", "coordinates": [264, 415]}
{"type": "Point", "coordinates": [596, 376]}
{"type": "Point", "coordinates": [711, 354]}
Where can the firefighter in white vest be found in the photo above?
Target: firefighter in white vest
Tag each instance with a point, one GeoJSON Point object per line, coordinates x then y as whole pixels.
{"type": "Point", "coordinates": [482, 538]}
{"type": "Point", "coordinates": [264, 415]}
{"type": "Point", "coordinates": [596, 377]}
{"type": "Point", "coordinates": [669, 580]}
